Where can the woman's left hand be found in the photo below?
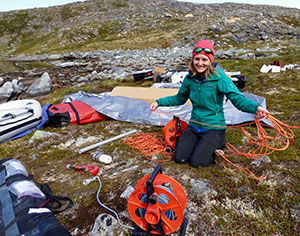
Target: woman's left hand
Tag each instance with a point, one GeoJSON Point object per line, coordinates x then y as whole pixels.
{"type": "Point", "coordinates": [261, 112]}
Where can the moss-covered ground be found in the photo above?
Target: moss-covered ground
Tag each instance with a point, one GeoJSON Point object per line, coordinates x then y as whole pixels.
{"type": "Point", "coordinates": [242, 206]}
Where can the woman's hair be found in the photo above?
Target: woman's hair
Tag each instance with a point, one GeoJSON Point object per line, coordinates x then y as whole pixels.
{"type": "Point", "coordinates": [206, 73]}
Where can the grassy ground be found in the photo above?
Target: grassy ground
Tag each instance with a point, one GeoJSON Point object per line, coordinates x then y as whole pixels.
{"type": "Point", "coordinates": [242, 205]}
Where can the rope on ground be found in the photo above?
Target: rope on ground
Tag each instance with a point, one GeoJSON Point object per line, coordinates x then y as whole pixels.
{"type": "Point", "coordinates": [262, 145]}
{"type": "Point", "coordinates": [279, 138]}
{"type": "Point", "coordinates": [151, 146]}
{"type": "Point", "coordinates": [236, 167]}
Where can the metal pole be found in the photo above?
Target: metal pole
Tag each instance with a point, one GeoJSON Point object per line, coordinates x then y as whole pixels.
{"type": "Point", "coordinates": [82, 150]}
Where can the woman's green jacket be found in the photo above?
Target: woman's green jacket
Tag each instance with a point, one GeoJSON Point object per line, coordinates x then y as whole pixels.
{"type": "Point", "coordinates": [207, 99]}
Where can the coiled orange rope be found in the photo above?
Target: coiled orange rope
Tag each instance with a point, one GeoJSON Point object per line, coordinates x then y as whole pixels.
{"type": "Point", "coordinates": [262, 145]}
{"type": "Point", "coordinates": [151, 145]}
{"type": "Point", "coordinates": [279, 138]}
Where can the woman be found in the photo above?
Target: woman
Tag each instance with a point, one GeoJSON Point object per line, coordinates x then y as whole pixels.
{"type": "Point", "coordinates": [206, 88]}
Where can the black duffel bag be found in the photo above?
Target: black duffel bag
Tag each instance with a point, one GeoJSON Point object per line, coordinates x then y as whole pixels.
{"type": "Point", "coordinates": [26, 207]}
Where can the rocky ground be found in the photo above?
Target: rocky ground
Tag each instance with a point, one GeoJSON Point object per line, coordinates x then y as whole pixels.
{"type": "Point", "coordinates": [75, 69]}
{"type": "Point", "coordinates": [217, 200]}
{"type": "Point", "coordinates": [76, 53]}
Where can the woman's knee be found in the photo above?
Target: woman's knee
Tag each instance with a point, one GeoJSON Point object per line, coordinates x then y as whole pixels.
{"type": "Point", "coordinates": [179, 158]}
{"type": "Point", "coordinates": [202, 158]}
{"type": "Point", "coordinates": [202, 163]}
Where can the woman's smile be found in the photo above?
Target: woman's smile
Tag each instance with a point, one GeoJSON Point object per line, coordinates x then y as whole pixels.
{"type": "Point", "coordinates": [201, 62]}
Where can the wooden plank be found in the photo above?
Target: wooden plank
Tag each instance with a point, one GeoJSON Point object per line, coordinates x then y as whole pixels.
{"type": "Point", "coordinates": [146, 94]}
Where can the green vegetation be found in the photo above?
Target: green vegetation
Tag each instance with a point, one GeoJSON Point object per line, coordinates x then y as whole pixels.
{"type": "Point", "coordinates": [291, 20]}
{"type": "Point", "coordinates": [120, 3]}
{"type": "Point", "coordinates": [32, 65]}
{"type": "Point", "coordinates": [67, 12]}
{"type": "Point", "coordinates": [108, 29]}
{"type": "Point", "coordinates": [14, 23]}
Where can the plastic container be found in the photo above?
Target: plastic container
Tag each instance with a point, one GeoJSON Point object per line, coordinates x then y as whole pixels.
{"type": "Point", "coordinates": [101, 157]}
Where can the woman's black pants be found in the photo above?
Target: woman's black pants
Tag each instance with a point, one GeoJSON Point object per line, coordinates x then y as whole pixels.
{"type": "Point", "coordinates": [198, 148]}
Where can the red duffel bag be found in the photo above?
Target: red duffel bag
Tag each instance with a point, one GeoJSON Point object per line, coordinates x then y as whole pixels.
{"type": "Point", "coordinates": [75, 112]}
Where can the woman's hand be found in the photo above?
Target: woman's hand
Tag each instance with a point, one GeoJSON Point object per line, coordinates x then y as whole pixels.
{"type": "Point", "coordinates": [153, 106]}
{"type": "Point", "coordinates": [261, 112]}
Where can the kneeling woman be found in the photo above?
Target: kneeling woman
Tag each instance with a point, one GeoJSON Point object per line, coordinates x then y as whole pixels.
{"type": "Point", "coordinates": [206, 87]}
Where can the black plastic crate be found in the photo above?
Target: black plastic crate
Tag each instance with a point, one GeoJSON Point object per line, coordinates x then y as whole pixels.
{"type": "Point", "coordinates": [143, 75]}
{"type": "Point", "coordinates": [239, 81]}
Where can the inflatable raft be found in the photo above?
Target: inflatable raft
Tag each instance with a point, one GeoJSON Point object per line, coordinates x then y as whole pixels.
{"type": "Point", "coordinates": [18, 116]}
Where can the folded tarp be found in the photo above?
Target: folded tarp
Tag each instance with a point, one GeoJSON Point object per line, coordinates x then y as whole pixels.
{"type": "Point", "coordinates": [137, 111]}
{"type": "Point", "coordinates": [128, 109]}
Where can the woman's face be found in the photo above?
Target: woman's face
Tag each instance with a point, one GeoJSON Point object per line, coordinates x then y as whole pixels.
{"type": "Point", "coordinates": [201, 62]}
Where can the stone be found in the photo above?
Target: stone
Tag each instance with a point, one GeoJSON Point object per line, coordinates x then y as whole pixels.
{"type": "Point", "coordinates": [41, 86]}
{"type": "Point", "coordinates": [104, 225]}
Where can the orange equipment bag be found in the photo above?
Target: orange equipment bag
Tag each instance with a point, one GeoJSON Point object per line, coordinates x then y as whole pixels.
{"type": "Point", "coordinates": [173, 130]}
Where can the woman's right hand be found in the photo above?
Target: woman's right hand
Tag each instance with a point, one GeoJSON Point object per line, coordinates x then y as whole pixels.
{"type": "Point", "coordinates": [153, 106]}
{"type": "Point", "coordinates": [261, 112]}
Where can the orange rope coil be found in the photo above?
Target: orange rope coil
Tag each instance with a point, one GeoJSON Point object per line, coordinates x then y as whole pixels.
{"type": "Point", "coordinates": [149, 145]}
{"type": "Point", "coordinates": [279, 138]}
{"type": "Point", "coordinates": [262, 145]}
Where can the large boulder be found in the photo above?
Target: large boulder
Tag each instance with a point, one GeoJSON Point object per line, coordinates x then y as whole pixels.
{"type": "Point", "coordinates": [6, 91]}
{"type": "Point", "coordinates": [41, 86]}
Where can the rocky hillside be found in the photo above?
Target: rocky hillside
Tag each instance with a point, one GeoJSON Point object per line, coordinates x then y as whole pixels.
{"type": "Point", "coordinates": [94, 37]}
{"type": "Point", "coordinates": [136, 24]}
